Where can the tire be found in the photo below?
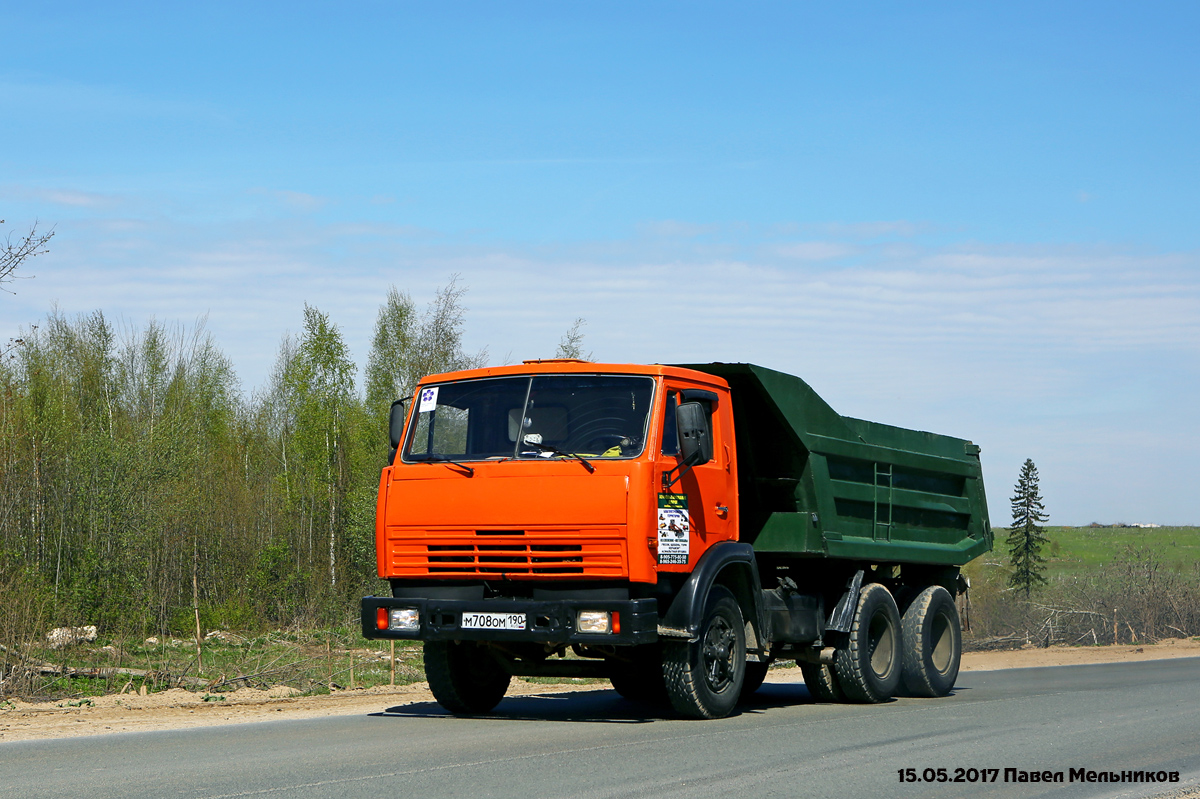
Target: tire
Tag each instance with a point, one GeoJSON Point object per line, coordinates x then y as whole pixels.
{"type": "Point", "coordinates": [868, 664]}
{"type": "Point", "coordinates": [464, 677]}
{"type": "Point", "coordinates": [641, 680]}
{"type": "Point", "coordinates": [931, 639]}
{"type": "Point", "coordinates": [822, 683]}
{"type": "Point", "coordinates": [704, 678]}
{"type": "Point", "coordinates": [756, 672]}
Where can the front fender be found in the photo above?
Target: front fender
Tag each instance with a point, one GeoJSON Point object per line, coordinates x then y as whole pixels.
{"type": "Point", "coordinates": [686, 613]}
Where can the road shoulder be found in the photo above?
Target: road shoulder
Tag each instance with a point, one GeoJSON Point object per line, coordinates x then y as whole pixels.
{"type": "Point", "coordinates": [180, 709]}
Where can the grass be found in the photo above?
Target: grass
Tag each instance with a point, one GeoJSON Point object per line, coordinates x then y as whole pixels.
{"type": "Point", "coordinates": [1103, 585]}
{"type": "Point", "coordinates": [316, 661]}
{"type": "Point", "coordinates": [565, 680]}
{"type": "Point", "coordinates": [311, 662]}
{"type": "Point", "coordinates": [1074, 551]}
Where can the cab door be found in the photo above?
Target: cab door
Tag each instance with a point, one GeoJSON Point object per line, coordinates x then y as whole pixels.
{"type": "Point", "coordinates": [707, 491]}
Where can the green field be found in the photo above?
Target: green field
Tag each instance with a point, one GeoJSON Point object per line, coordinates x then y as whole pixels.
{"type": "Point", "coordinates": [1103, 585]}
{"type": "Point", "coordinates": [1075, 551]}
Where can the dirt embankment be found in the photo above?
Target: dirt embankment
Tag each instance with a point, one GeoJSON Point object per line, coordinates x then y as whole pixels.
{"type": "Point", "coordinates": [175, 709]}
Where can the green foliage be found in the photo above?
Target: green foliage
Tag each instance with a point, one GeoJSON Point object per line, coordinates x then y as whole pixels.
{"type": "Point", "coordinates": [1027, 537]}
{"type": "Point", "coordinates": [390, 371]}
{"type": "Point", "coordinates": [133, 470]}
{"type": "Point", "coordinates": [316, 396]}
{"type": "Point", "coordinates": [404, 348]}
{"type": "Point", "coordinates": [140, 484]}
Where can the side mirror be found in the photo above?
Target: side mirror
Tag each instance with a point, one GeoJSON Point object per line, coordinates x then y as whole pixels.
{"type": "Point", "coordinates": [396, 424]}
{"type": "Point", "coordinates": [695, 439]}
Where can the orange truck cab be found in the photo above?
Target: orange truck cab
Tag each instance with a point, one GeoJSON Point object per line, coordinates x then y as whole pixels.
{"type": "Point", "coordinates": [566, 518]}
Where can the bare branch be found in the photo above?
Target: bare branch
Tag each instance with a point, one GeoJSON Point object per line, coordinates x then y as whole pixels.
{"type": "Point", "coordinates": [12, 255]}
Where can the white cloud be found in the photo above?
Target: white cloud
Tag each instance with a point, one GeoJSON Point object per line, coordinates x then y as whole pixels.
{"type": "Point", "coordinates": [671, 228]}
{"type": "Point", "coordinates": [813, 250]}
{"type": "Point", "coordinates": [1023, 349]}
{"type": "Point", "coordinates": [71, 198]}
{"type": "Point", "coordinates": [294, 200]}
{"type": "Point", "coordinates": [872, 230]}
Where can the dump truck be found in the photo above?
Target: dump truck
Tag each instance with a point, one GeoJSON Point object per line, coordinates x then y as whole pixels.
{"type": "Point", "coordinates": [674, 529]}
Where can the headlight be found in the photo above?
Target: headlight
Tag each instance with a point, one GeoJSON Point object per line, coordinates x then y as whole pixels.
{"type": "Point", "coordinates": [592, 621]}
{"type": "Point", "coordinates": [404, 619]}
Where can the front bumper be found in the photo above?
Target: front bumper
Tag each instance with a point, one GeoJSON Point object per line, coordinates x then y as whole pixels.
{"type": "Point", "coordinates": [551, 622]}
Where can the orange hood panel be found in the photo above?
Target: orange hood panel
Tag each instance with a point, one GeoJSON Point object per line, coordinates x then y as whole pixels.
{"type": "Point", "coordinates": [500, 502]}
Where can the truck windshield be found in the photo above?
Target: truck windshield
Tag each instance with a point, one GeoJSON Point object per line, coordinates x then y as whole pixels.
{"type": "Point", "coordinates": [548, 416]}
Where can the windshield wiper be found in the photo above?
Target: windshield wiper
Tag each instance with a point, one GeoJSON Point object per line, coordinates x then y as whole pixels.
{"type": "Point", "coordinates": [557, 451]}
{"type": "Point", "coordinates": [448, 461]}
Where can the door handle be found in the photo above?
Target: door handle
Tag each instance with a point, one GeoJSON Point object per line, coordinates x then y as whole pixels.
{"type": "Point", "coordinates": [722, 510]}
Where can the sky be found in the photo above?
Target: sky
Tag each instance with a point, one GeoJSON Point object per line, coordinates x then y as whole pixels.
{"type": "Point", "coordinates": [975, 219]}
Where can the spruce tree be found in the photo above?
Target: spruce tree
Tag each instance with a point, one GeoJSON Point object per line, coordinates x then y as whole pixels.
{"type": "Point", "coordinates": [1026, 537]}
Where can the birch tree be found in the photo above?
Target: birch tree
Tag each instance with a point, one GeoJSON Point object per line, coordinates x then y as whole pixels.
{"type": "Point", "coordinates": [320, 391]}
{"type": "Point", "coordinates": [406, 348]}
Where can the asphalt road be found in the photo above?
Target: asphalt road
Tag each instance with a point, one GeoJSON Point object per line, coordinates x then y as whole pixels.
{"type": "Point", "coordinates": [1113, 717]}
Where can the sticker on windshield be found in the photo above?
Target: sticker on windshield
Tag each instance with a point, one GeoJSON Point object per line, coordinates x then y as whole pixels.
{"type": "Point", "coordinates": [428, 400]}
{"type": "Point", "coordinates": [673, 529]}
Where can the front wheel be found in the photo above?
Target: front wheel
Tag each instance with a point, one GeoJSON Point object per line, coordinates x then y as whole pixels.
{"type": "Point", "coordinates": [465, 677]}
{"type": "Point", "coordinates": [640, 679]}
{"type": "Point", "coordinates": [704, 677]}
{"type": "Point", "coordinates": [756, 674]}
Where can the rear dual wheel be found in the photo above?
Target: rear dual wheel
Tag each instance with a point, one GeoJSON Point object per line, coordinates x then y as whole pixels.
{"type": "Point", "coordinates": [868, 665]}
{"type": "Point", "coordinates": [932, 643]}
{"type": "Point", "coordinates": [821, 682]}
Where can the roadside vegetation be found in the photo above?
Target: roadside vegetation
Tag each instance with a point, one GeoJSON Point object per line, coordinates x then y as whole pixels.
{"type": "Point", "coordinates": [217, 540]}
{"type": "Point", "coordinates": [1146, 581]}
{"type": "Point", "coordinates": [308, 662]}
{"type": "Point", "coordinates": [145, 494]}
{"type": "Point", "coordinates": [214, 539]}
{"type": "Point", "coordinates": [1103, 586]}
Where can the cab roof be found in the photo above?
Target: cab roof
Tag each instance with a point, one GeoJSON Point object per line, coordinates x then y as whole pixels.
{"type": "Point", "coordinates": [559, 366]}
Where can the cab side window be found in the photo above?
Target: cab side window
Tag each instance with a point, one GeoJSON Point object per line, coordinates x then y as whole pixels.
{"type": "Point", "coordinates": [670, 434]}
{"type": "Point", "coordinates": [707, 400]}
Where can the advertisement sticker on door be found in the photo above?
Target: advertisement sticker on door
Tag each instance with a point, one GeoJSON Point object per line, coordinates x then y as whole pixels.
{"type": "Point", "coordinates": [674, 529]}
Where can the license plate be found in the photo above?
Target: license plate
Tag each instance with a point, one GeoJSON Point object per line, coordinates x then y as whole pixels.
{"type": "Point", "coordinates": [493, 621]}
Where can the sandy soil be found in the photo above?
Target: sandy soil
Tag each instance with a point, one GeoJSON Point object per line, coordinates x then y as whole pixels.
{"type": "Point", "coordinates": [176, 709]}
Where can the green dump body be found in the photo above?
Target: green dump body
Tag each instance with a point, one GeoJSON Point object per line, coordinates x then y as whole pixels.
{"type": "Point", "coordinates": [813, 483]}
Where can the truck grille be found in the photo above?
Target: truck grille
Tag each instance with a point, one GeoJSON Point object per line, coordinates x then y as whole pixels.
{"type": "Point", "coordinates": [493, 556]}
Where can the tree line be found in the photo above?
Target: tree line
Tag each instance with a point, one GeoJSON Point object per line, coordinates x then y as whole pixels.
{"type": "Point", "coordinates": [139, 484]}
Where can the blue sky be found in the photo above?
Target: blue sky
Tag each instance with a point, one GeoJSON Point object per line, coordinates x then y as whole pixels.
{"type": "Point", "coordinates": [975, 220]}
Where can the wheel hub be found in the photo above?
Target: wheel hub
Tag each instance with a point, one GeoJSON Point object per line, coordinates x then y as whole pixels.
{"type": "Point", "coordinates": [718, 655]}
